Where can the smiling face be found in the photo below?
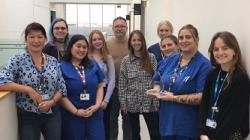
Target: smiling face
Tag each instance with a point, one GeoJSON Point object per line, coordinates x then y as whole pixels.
{"type": "Point", "coordinates": [97, 41]}
{"type": "Point", "coordinates": [136, 43]}
{"type": "Point", "coordinates": [168, 46]}
{"type": "Point", "coordinates": [120, 28]}
{"type": "Point", "coordinates": [223, 54]}
{"type": "Point", "coordinates": [79, 51]}
{"type": "Point", "coordinates": [60, 31]}
{"type": "Point", "coordinates": [35, 41]}
{"type": "Point", "coordinates": [164, 31]}
{"type": "Point", "coordinates": [187, 42]}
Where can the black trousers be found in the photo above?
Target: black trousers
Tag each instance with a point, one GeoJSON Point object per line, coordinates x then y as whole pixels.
{"type": "Point", "coordinates": [152, 121]}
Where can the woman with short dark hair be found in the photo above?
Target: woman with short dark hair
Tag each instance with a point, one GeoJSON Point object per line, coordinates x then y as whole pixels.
{"type": "Point", "coordinates": [38, 83]}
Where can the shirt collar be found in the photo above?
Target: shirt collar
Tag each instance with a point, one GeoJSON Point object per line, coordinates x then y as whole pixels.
{"type": "Point", "coordinates": [133, 58]}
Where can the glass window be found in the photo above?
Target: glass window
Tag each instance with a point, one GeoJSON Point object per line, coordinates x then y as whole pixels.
{"type": "Point", "coordinates": [71, 17]}
{"type": "Point", "coordinates": [121, 10]}
{"type": "Point", "coordinates": [96, 16]}
{"type": "Point", "coordinates": [108, 17]}
{"type": "Point", "coordinates": [71, 13]}
{"type": "Point", "coordinates": [83, 19]}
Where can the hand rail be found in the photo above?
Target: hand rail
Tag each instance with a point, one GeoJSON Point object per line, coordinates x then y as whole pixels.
{"type": "Point", "coordinates": [12, 46]}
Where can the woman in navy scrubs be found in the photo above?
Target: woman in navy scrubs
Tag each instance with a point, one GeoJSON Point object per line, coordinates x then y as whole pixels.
{"type": "Point", "coordinates": [181, 77]}
{"type": "Point", "coordinates": [82, 117]}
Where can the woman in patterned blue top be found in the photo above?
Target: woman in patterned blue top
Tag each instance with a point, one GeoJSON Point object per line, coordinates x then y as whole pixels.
{"type": "Point", "coordinates": [82, 116]}
{"type": "Point", "coordinates": [38, 83]}
{"type": "Point", "coordinates": [182, 78]}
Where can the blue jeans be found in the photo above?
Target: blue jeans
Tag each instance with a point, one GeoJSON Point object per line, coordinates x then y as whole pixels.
{"type": "Point", "coordinates": [31, 125]}
{"type": "Point", "coordinates": [152, 122]}
{"type": "Point", "coordinates": [114, 113]}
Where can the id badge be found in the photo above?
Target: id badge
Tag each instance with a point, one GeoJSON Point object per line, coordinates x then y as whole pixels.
{"type": "Point", "coordinates": [84, 96]}
{"type": "Point", "coordinates": [211, 123]}
{"type": "Point", "coordinates": [45, 97]}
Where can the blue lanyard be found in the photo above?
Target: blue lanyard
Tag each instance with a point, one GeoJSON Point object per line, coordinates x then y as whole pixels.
{"type": "Point", "coordinates": [177, 72]}
{"type": "Point", "coordinates": [217, 89]}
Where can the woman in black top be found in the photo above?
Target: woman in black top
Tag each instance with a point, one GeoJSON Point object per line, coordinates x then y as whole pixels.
{"type": "Point", "coordinates": [225, 103]}
{"type": "Point", "coordinates": [58, 38]}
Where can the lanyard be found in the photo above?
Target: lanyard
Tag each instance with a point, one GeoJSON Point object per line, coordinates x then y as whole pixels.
{"type": "Point", "coordinates": [81, 72]}
{"type": "Point", "coordinates": [177, 72]}
{"type": "Point", "coordinates": [41, 84]}
{"type": "Point", "coordinates": [218, 88]}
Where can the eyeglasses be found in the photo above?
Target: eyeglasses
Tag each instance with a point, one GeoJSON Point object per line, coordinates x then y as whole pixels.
{"type": "Point", "coordinates": [120, 26]}
{"type": "Point", "coordinates": [58, 28]}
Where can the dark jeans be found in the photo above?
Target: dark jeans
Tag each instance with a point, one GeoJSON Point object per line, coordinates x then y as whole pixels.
{"type": "Point", "coordinates": [152, 122]}
{"type": "Point", "coordinates": [31, 125]}
{"type": "Point", "coordinates": [106, 118]}
{"type": "Point", "coordinates": [114, 113]}
{"type": "Point", "coordinates": [176, 137]}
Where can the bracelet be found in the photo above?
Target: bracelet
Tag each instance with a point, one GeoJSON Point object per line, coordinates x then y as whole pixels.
{"type": "Point", "coordinates": [76, 112]}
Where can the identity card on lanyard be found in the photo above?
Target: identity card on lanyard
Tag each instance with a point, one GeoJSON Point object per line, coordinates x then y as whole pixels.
{"type": "Point", "coordinates": [83, 96]}
{"type": "Point", "coordinates": [211, 122]}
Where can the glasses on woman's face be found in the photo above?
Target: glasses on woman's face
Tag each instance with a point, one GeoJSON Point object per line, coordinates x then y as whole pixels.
{"type": "Point", "coordinates": [60, 28]}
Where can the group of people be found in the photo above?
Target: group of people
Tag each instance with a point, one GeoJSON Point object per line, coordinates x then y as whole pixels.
{"type": "Point", "coordinates": [74, 88]}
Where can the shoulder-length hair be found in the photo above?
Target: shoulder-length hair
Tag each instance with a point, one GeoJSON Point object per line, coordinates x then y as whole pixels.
{"type": "Point", "coordinates": [52, 37]}
{"type": "Point", "coordinates": [68, 55]}
{"type": "Point", "coordinates": [104, 50]}
{"type": "Point", "coordinates": [145, 59]}
{"type": "Point", "coordinates": [231, 42]}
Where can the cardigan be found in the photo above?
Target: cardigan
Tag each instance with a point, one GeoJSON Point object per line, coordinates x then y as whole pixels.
{"type": "Point", "coordinates": [233, 104]}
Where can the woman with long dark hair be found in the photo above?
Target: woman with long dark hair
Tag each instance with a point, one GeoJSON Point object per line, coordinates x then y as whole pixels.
{"type": "Point", "coordinates": [136, 73]}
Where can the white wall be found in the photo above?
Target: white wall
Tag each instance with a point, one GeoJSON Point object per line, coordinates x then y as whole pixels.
{"type": "Point", "coordinates": [208, 16]}
{"type": "Point", "coordinates": [8, 117]}
{"type": "Point", "coordinates": [16, 14]}
{"type": "Point", "coordinates": [59, 8]}
{"type": "Point", "coordinates": [155, 11]}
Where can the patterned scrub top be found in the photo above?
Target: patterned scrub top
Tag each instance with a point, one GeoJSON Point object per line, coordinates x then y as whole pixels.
{"type": "Point", "coordinates": [133, 83]}
{"type": "Point", "coordinates": [21, 69]}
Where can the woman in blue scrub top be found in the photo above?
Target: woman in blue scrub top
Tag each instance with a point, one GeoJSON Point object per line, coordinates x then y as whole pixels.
{"type": "Point", "coordinates": [82, 117]}
{"type": "Point", "coordinates": [180, 80]}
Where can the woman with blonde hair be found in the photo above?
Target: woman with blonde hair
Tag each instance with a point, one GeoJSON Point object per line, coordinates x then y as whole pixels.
{"type": "Point", "coordinates": [98, 50]}
{"type": "Point", "coordinates": [164, 29]}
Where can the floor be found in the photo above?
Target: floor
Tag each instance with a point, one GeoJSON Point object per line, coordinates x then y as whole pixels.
{"type": "Point", "coordinates": [144, 130]}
